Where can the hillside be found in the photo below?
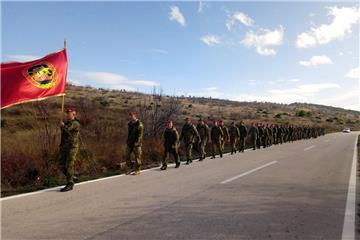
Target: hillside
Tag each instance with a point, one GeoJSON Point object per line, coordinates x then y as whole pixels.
{"type": "Point", "coordinates": [30, 132]}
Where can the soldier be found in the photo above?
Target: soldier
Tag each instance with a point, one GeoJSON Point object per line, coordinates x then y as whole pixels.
{"type": "Point", "coordinates": [171, 145]}
{"type": "Point", "coordinates": [69, 146]}
{"type": "Point", "coordinates": [134, 144]}
{"type": "Point", "coordinates": [260, 135]}
{"type": "Point", "coordinates": [274, 131]}
{"type": "Point", "coordinates": [265, 137]}
{"type": "Point", "coordinates": [254, 134]}
{"type": "Point", "coordinates": [204, 132]}
{"type": "Point", "coordinates": [280, 134]}
{"type": "Point", "coordinates": [243, 134]}
{"type": "Point", "coordinates": [226, 137]}
{"type": "Point", "coordinates": [189, 134]}
{"type": "Point", "coordinates": [216, 138]}
{"type": "Point", "coordinates": [234, 134]}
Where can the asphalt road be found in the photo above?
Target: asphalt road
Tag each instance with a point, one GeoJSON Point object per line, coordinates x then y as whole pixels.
{"type": "Point", "coordinates": [292, 191]}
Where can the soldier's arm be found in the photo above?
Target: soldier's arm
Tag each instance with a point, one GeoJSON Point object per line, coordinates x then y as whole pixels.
{"type": "Point", "coordinates": [196, 133]}
{"type": "Point", "coordinates": [73, 127]}
{"type": "Point", "coordinates": [140, 134]}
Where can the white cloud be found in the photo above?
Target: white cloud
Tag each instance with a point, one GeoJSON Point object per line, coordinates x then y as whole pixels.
{"type": "Point", "coordinates": [316, 60]}
{"type": "Point", "coordinates": [305, 89]}
{"type": "Point", "coordinates": [157, 50]}
{"type": "Point", "coordinates": [264, 41]}
{"type": "Point", "coordinates": [176, 15]}
{"type": "Point", "coordinates": [202, 6]}
{"type": "Point", "coordinates": [344, 19]}
{"type": "Point", "coordinates": [354, 73]}
{"type": "Point", "coordinates": [238, 17]}
{"type": "Point", "coordinates": [74, 82]}
{"type": "Point", "coordinates": [300, 93]}
{"type": "Point", "coordinates": [210, 40]}
{"type": "Point", "coordinates": [22, 58]}
{"type": "Point", "coordinates": [111, 80]}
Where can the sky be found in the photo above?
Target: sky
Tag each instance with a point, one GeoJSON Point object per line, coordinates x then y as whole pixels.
{"type": "Point", "coordinates": [280, 52]}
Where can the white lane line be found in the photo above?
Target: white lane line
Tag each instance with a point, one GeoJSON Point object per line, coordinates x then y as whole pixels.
{"type": "Point", "coordinates": [348, 232]}
{"type": "Point", "coordinates": [248, 172]}
{"type": "Point", "coordinates": [308, 148]}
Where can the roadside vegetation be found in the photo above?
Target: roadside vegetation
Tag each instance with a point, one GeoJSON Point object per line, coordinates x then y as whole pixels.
{"type": "Point", "coordinates": [30, 133]}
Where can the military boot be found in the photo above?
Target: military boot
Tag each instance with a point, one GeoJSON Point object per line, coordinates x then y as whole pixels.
{"type": "Point", "coordinates": [177, 165]}
{"type": "Point", "coordinates": [67, 188]}
{"type": "Point", "coordinates": [136, 172]}
{"type": "Point", "coordinates": [163, 167]}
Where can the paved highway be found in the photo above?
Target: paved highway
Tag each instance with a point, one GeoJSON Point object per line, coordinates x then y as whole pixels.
{"type": "Point", "coordinates": [301, 190]}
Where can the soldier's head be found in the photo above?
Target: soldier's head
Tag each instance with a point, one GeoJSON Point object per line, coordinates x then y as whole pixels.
{"type": "Point", "coordinates": [187, 120]}
{"type": "Point", "coordinates": [70, 113]}
{"type": "Point", "coordinates": [216, 123]}
{"type": "Point", "coordinates": [241, 122]}
{"type": "Point", "coordinates": [221, 122]}
{"type": "Point", "coordinates": [201, 121]}
{"type": "Point", "coordinates": [133, 116]}
{"type": "Point", "coordinates": [232, 123]}
{"type": "Point", "coordinates": [170, 124]}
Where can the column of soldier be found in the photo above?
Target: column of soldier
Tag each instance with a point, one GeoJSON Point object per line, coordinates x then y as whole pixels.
{"type": "Point", "coordinates": [198, 137]}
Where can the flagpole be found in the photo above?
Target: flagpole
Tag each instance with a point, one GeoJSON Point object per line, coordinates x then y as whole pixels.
{"type": "Point", "coordinates": [63, 96]}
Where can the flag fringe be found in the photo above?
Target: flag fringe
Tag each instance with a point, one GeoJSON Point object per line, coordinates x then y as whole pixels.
{"type": "Point", "coordinates": [34, 100]}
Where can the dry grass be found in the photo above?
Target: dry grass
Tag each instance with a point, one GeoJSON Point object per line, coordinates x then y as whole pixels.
{"type": "Point", "coordinates": [30, 132]}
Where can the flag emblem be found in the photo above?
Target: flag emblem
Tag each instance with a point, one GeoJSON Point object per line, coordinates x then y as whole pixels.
{"type": "Point", "coordinates": [41, 75]}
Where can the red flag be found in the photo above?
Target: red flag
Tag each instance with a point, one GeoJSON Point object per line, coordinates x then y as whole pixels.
{"type": "Point", "coordinates": [34, 80]}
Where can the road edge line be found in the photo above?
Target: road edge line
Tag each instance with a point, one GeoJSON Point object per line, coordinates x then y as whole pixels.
{"type": "Point", "coordinates": [348, 231]}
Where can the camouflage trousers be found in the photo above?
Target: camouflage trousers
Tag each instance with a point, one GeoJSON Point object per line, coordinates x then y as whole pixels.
{"type": "Point", "coordinates": [217, 145]}
{"type": "Point", "coordinates": [138, 154]}
{"type": "Point", "coordinates": [170, 151]}
{"type": "Point", "coordinates": [242, 144]}
{"type": "Point", "coordinates": [233, 142]}
{"type": "Point", "coordinates": [67, 162]}
{"type": "Point", "coordinates": [202, 147]}
{"type": "Point", "coordinates": [254, 142]}
{"type": "Point", "coordinates": [188, 149]}
{"type": "Point", "coordinates": [258, 142]}
{"type": "Point", "coordinates": [222, 144]}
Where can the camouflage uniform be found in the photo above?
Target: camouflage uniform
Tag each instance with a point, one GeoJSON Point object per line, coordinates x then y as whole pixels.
{"type": "Point", "coordinates": [243, 135]}
{"type": "Point", "coordinates": [226, 136]}
{"type": "Point", "coordinates": [171, 145]}
{"type": "Point", "coordinates": [216, 139]}
{"type": "Point", "coordinates": [189, 135]}
{"type": "Point", "coordinates": [204, 132]}
{"type": "Point", "coordinates": [254, 133]}
{"type": "Point", "coordinates": [134, 144]}
{"type": "Point", "coordinates": [260, 135]}
{"type": "Point", "coordinates": [234, 134]}
{"type": "Point", "coordinates": [69, 148]}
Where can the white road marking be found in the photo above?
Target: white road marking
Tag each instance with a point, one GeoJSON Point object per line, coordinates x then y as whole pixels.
{"type": "Point", "coordinates": [308, 148]}
{"type": "Point", "coordinates": [248, 172]}
{"type": "Point", "coordinates": [348, 232]}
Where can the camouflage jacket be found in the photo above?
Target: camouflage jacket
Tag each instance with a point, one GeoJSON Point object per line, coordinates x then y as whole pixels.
{"type": "Point", "coordinates": [204, 131]}
{"type": "Point", "coordinates": [254, 132]}
{"type": "Point", "coordinates": [189, 133]}
{"type": "Point", "coordinates": [171, 137]}
{"type": "Point", "coordinates": [70, 134]}
{"type": "Point", "coordinates": [243, 131]}
{"type": "Point", "coordinates": [225, 132]}
{"type": "Point", "coordinates": [234, 132]}
{"type": "Point", "coordinates": [135, 133]}
{"type": "Point", "coordinates": [216, 134]}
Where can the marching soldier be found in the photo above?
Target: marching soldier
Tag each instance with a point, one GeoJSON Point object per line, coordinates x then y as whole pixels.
{"type": "Point", "coordinates": [204, 132]}
{"type": "Point", "coordinates": [260, 135]}
{"type": "Point", "coordinates": [216, 138]}
{"type": "Point", "coordinates": [243, 135]}
{"type": "Point", "coordinates": [134, 144]}
{"type": "Point", "coordinates": [254, 134]}
{"type": "Point", "coordinates": [69, 146]}
{"type": "Point", "coordinates": [234, 136]}
{"type": "Point", "coordinates": [171, 145]}
{"type": "Point", "coordinates": [189, 134]}
{"type": "Point", "coordinates": [225, 131]}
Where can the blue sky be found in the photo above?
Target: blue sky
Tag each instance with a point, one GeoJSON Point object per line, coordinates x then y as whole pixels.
{"type": "Point", "coordinates": [280, 52]}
